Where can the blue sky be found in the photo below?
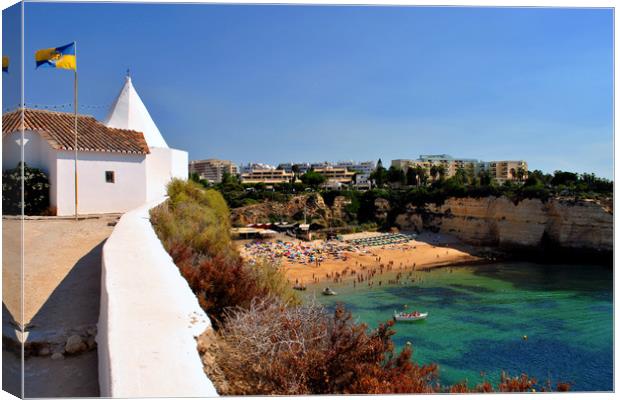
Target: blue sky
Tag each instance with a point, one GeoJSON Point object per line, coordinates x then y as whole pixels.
{"type": "Point", "coordinates": [314, 83]}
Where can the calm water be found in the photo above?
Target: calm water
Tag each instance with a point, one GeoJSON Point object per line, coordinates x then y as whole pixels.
{"type": "Point", "coordinates": [478, 316]}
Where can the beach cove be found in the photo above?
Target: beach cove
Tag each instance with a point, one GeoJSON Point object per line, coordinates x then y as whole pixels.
{"type": "Point", "coordinates": [335, 261]}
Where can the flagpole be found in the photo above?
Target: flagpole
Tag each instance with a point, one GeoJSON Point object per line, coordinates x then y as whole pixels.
{"type": "Point", "coordinates": [75, 108]}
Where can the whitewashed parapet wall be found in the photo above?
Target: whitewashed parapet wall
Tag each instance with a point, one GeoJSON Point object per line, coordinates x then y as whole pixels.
{"type": "Point", "coordinates": [149, 318]}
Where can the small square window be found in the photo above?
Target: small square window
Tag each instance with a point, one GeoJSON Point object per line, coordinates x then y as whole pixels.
{"type": "Point", "coordinates": [109, 176]}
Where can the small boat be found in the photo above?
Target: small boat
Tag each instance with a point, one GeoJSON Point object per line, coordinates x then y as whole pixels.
{"type": "Point", "coordinates": [299, 286]}
{"type": "Point", "coordinates": [328, 292]}
{"type": "Point", "coordinates": [410, 316]}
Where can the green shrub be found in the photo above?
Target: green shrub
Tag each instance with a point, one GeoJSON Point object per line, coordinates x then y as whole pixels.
{"type": "Point", "coordinates": [197, 217]}
{"type": "Point", "coordinates": [194, 227]}
{"type": "Point", "coordinates": [36, 191]}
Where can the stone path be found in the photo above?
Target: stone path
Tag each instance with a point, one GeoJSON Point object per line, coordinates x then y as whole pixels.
{"type": "Point", "coordinates": [62, 276]}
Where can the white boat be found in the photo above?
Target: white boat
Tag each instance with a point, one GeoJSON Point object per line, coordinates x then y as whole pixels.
{"type": "Point", "coordinates": [410, 316]}
{"type": "Point", "coordinates": [328, 292]}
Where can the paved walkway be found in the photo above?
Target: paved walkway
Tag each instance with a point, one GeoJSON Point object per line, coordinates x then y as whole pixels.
{"type": "Point", "coordinates": [62, 276]}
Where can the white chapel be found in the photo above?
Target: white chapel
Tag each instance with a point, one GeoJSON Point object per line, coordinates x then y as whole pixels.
{"type": "Point", "coordinates": [123, 162]}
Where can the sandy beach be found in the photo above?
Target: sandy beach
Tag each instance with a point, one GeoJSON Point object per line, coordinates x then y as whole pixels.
{"type": "Point", "coordinates": [365, 263]}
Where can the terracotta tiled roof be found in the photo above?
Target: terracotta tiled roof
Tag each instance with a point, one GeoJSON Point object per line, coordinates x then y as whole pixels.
{"type": "Point", "coordinates": [58, 129]}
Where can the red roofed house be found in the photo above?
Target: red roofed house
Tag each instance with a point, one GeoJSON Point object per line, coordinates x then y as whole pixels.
{"type": "Point", "coordinates": [121, 164]}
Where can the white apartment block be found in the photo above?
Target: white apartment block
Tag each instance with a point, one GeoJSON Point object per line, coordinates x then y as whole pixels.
{"type": "Point", "coordinates": [212, 169]}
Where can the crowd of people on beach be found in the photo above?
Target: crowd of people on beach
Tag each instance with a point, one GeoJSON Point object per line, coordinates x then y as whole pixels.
{"type": "Point", "coordinates": [314, 253]}
{"type": "Point", "coordinates": [309, 253]}
{"type": "Point", "coordinates": [368, 271]}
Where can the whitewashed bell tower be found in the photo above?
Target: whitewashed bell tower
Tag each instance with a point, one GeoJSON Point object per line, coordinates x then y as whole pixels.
{"type": "Point", "coordinates": [129, 112]}
{"type": "Point", "coordinates": [163, 163]}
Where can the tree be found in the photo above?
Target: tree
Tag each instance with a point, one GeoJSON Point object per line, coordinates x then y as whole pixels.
{"type": "Point", "coordinates": [537, 176]}
{"type": "Point", "coordinates": [564, 178]}
{"type": "Point", "coordinates": [470, 174]}
{"type": "Point", "coordinates": [521, 174]}
{"type": "Point", "coordinates": [380, 175]}
{"type": "Point", "coordinates": [484, 178]}
{"type": "Point", "coordinates": [193, 176]}
{"type": "Point", "coordinates": [395, 175]}
{"type": "Point", "coordinates": [460, 176]}
{"type": "Point", "coordinates": [513, 173]}
{"type": "Point", "coordinates": [434, 172]}
{"type": "Point", "coordinates": [422, 175]}
{"type": "Point", "coordinates": [411, 177]}
{"type": "Point", "coordinates": [441, 170]}
{"type": "Point", "coordinates": [313, 178]}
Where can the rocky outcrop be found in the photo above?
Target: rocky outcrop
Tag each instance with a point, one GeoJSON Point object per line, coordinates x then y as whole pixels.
{"type": "Point", "coordinates": [382, 208]}
{"type": "Point", "coordinates": [339, 207]}
{"type": "Point", "coordinates": [293, 210]}
{"type": "Point", "coordinates": [571, 224]}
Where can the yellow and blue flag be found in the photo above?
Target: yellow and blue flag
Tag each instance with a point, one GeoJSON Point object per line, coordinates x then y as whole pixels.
{"type": "Point", "coordinates": [5, 64]}
{"type": "Point", "coordinates": [57, 57]}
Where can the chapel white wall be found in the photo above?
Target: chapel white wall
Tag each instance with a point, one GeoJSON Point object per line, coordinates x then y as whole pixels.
{"type": "Point", "coordinates": [95, 195]}
{"type": "Point", "coordinates": [163, 164]}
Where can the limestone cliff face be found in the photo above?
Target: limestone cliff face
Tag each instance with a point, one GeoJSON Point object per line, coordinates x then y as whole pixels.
{"type": "Point", "coordinates": [315, 208]}
{"type": "Point", "coordinates": [581, 224]}
{"type": "Point", "coordinates": [382, 208]}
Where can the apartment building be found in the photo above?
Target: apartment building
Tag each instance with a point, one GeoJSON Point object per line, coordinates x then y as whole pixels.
{"type": "Point", "coordinates": [500, 170]}
{"type": "Point", "coordinates": [249, 167]}
{"type": "Point", "coordinates": [213, 169]}
{"type": "Point", "coordinates": [336, 174]}
{"type": "Point", "coordinates": [301, 167]}
{"type": "Point", "coordinates": [266, 176]}
{"type": "Point", "coordinates": [503, 171]}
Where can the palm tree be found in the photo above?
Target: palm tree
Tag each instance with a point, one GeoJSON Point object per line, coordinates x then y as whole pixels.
{"type": "Point", "coordinates": [441, 170]}
{"type": "Point", "coordinates": [411, 177]}
{"type": "Point", "coordinates": [421, 174]}
{"type": "Point", "coordinates": [434, 172]}
{"type": "Point", "coordinates": [460, 175]}
{"type": "Point", "coordinates": [521, 173]}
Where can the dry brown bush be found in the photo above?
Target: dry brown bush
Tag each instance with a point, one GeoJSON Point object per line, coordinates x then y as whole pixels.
{"type": "Point", "coordinates": [304, 350]}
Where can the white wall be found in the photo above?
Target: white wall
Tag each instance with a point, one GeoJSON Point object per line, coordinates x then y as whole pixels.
{"type": "Point", "coordinates": [149, 318]}
{"type": "Point", "coordinates": [180, 162]}
{"type": "Point", "coordinates": [163, 164]}
{"type": "Point", "coordinates": [95, 195]}
{"type": "Point", "coordinates": [37, 154]}
{"type": "Point", "coordinates": [138, 178]}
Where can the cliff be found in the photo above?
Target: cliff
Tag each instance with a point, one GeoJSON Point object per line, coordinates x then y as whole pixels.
{"type": "Point", "coordinates": [497, 221]}
{"type": "Point", "coordinates": [293, 210]}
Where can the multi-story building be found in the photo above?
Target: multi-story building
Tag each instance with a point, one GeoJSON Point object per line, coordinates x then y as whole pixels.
{"type": "Point", "coordinates": [335, 174]}
{"type": "Point", "coordinates": [249, 167]}
{"type": "Point", "coordinates": [499, 170]}
{"type": "Point", "coordinates": [362, 167]}
{"type": "Point", "coordinates": [361, 170]}
{"type": "Point", "coordinates": [503, 171]}
{"type": "Point", "coordinates": [301, 167]}
{"type": "Point", "coordinates": [269, 175]}
{"type": "Point", "coordinates": [212, 169]}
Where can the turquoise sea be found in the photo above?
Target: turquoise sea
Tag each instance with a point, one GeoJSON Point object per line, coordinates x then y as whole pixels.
{"type": "Point", "coordinates": [478, 316]}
